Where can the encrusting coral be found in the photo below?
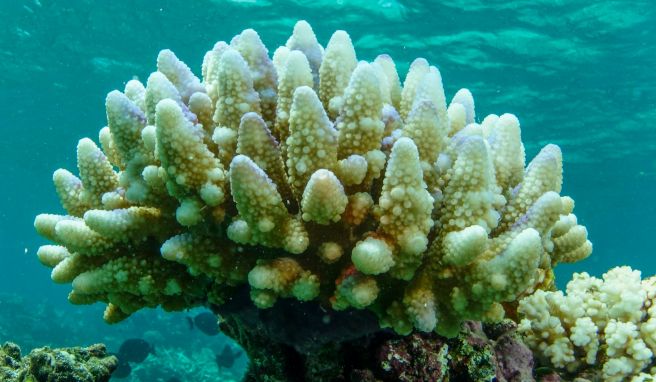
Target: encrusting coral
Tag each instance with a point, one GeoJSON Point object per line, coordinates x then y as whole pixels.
{"type": "Point", "coordinates": [607, 325]}
{"type": "Point", "coordinates": [310, 176]}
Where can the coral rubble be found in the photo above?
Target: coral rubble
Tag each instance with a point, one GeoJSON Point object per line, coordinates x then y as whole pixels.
{"type": "Point", "coordinates": [309, 176]}
{"type": "Point", "coordinates": [90, 364]}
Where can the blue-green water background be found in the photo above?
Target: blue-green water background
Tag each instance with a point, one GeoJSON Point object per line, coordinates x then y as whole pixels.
{"type": "Point", "coordinates": [578, 73]}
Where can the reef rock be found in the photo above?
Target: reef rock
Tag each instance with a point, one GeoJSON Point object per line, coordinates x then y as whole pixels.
{"type": "Point", "coordinates": [90, 364]}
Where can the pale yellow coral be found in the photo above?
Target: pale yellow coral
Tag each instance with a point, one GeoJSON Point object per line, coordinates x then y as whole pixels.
{"type": "Point", "coordinates": [465, 98]}
{"type": "Point", "coordinates": [190, 166]}
{"type": "Point", "coordinates": [236, 98]}
{"type": "Point", "coordinates": [78, 237]}
{"type": "Point", "coordinates": [470, 196]}
{"type": "Point", "coordinates": [129, 277]}
{"type": "Point", "coordinates": [324, 198]}
{"type": "Point", "coordinates": [421, 308]}
{"type": "Point", "coordinates": [249, 177]}
{"type": "Point", "coordinates": [210, 69]}
{"type": "Point", "coordinates": [282, 277]}
{"type": "Point", "coordinates": [159, 88]}
{"type": "Point", "coordinates": [263, 218]}
{"type": "Point", "coordinates": [383, 83]}
{"type": "Point", "coordinates": [405, 206]}
{"type": "Point", "coordinates": [294, 73]}
{"type": "Point", "coordinates": [507, 152]}
{"type": "Point", "coordinates": [394, 84]}
{"type": "Point", "coordinates": [358, 208]}
{"type": "Point", "coordinates": [543, 174]}
{"type": "Point", "coordinates": [126, 222]}
{"type": "Point", "coordinates": [136, 92]}
{"type": "Point", "coordinates": [352, 170]}
{"type": "Point", "coordinates": [256, 142]}
{"type": "Point", "coordinates": [418, 69]}
{"type": "Point", "coordinates": [462, 247]}
{"type": "Point", "coordinates": [69, 190]}
{"type": "Point", "coordinates": [45, 224]}
{"type": "Point", "coordinates": [570, 240]}
{"type": "Point", "coordinates": [205, 256]}
{"type": "Point", "coordinates": [263, 73]}
{"type": "Point", "coordinates": [179, 74]}
{"type": "Point", "coordinates": [372, 256]}
{"type": "Point", "coordinates": [428, 129]}
{"type": "Point", "coordinates": [311, 144]}
{"type": "Point", "coordinates": [125, 120]}
{"type": "Point", "coordinates": [430, 88]}
{"type": "Point", "coordinates": [457, 117]}
{"type": "Point", "coordinates": [304, 40]}
{"type": "Point", "coordinates": [279, 60]}
{"type": "Point", "coordinates": [506, 275]}
{"type": "Point", "coordinates": [335, 71]}
{"type": "Point", "coordinates": [201, 105]}
{"type": "Point", "coordinates": [359, 123]}
{"type": "Point", "coordinates": [329, 252]}
{"type": "Point", "coordinates": [51, 255]}
{"type": "Point", "coordinates": [96, 173]}
{"type": "Point", "coordinates": [70, 267]}
{"type": "Point", "coordinates": [357, 291]}
{"type": "Point", "coordinates": [236, 94]}
{"type": "Point", "coordinates": [606, 322]}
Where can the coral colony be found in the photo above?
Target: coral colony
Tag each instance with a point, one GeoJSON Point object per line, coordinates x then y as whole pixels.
{"type": "Point", "coordinates": [314, 176]}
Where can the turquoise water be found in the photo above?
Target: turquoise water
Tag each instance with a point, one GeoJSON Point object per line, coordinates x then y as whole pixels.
{"type": "Point", "coordinates": [577, 73]}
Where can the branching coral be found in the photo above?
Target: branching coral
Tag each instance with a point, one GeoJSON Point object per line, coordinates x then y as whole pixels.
{"type": "Point", "coordinates": [310, 176]}
{"type": "Point", "coordinates": [608, 322]}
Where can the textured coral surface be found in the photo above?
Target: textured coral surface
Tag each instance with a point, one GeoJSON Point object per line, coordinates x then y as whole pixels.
{"type": "Point", "coordinates": [604, 327]}
{"type": "Point", "coordinates": [309, 175]}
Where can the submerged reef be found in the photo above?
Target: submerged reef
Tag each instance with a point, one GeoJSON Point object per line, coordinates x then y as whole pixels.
{"type": "Point", "coordinates": [176, 364]}
{"type": "Point", "coordinates": [90, 364]}
{"type": "Point", "coordinates": [314, 177]}
{"type": "Point", "coordinates": [602, 328]}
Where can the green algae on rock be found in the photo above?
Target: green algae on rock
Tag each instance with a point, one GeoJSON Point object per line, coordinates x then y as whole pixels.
{"type": "Point", "coordinates": [78, 364]}
{"type": "Point", "coordinates": [478, 353]}
{"type": "Point", "coordinates": [311, 176]}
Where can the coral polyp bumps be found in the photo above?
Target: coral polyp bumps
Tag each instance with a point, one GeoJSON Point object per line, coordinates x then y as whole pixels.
{"type": "Point", "coordinates": [313, 176]}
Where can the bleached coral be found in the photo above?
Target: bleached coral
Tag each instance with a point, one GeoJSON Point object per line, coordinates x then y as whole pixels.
{"type": "Point", "coordinates": [308, 175]}
{"type": "Point", "coordinates": [606, 322]}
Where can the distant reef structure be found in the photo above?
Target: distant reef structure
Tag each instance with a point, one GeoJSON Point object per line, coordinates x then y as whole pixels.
{"type": "Point", "coordinates": [78, 364]}
{"type": "Point", "coordinates": [308, 184]}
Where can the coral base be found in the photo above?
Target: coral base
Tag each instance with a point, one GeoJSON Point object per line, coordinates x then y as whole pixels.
{"type": "Point", "coordinates": [346, 346]}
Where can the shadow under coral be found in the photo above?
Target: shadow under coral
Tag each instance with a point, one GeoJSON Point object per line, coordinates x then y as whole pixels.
{"type": "Point", "coordinates": [302, 341]}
